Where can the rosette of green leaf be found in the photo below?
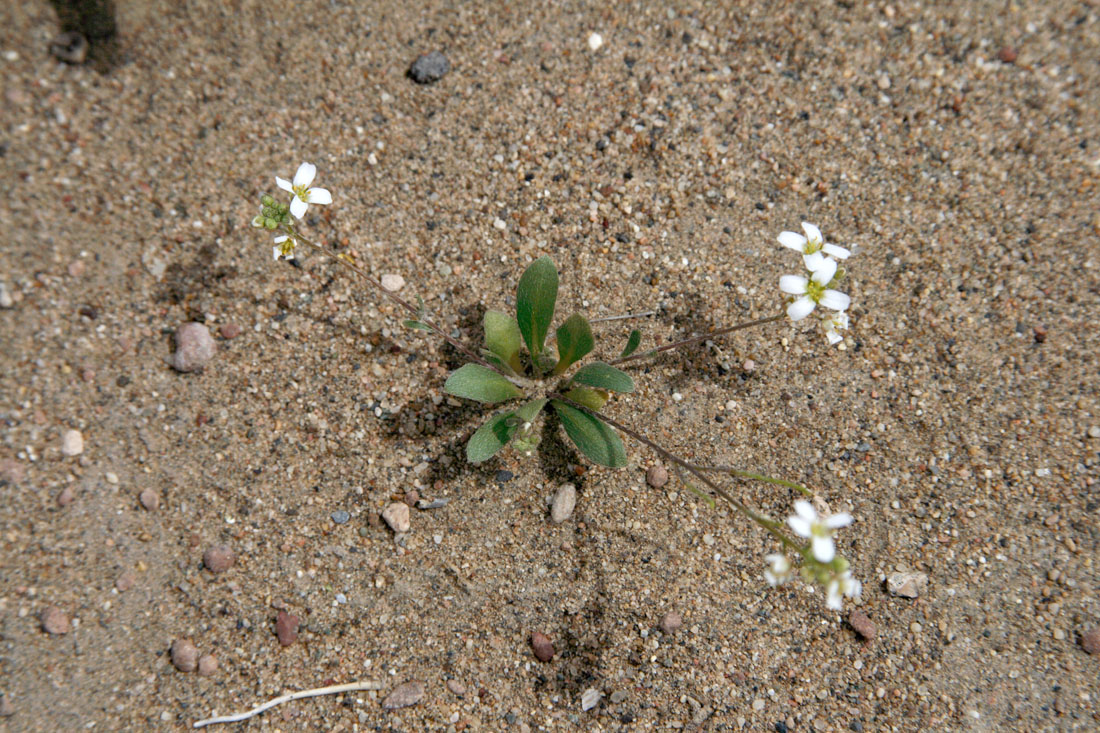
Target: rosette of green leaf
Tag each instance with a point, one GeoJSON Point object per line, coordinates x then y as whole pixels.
{"type": "Point", "coordinates": [593, 437]}
{"type": "Point", "coordinates": [476, 382]}
{"type": "Point", "coordinates": [535, 298]}
{"type": "Point", "coordinates": [531, 410]}
{"type": "Point", "coordinates": [575, 340]}
{"type": "Point", "coordinates": [503, 339]}
{"type": "Point", "coordinates": [604, 376]}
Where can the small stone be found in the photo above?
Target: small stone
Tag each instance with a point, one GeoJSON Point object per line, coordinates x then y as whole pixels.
{"type": "Point", "coordinates": [412, 496]}
{"type": "Point", "coordinates": [618, 696]}
{"type": "Point", "coordinates": [71, 47]}
{"type": "Point", "coordinates": [565, 500]}
{"type": "Point", "coordinates": [218, 558]}
{"type": "Point", "coordinates": [194, 347]}
{"type": "Point", "coordinates": [404, 695]}
{"type": "Point", "coordinates": [429, 68]}
{"type": "Point", "coordinates": [185, 655]}
{"type": "Point", "coordinates": [543, 647]}
{"type": "Point", "coordinates": [12, 471]}
{"type": "Point", "coordinates": [656, 476]}
{"type": "Point", "coordinates": [66, 496]}
{"type": "Point", "coordinates": [229, 331]}
{"type": "Point", "coordinates": [862, 625]}
{"type": "Point", "coordinates": [6, 301]}
{"type": "Point", "coordinates": [286, 628]}
{"type": "Point", "coordinates": [1094, 431]}
{"type": "Point", "coordinates": [671, 622]}
{"type": "Point", "coordinates": [208, 665]}
{"type": "Point", "coordinates": [500, 224]}
{"type": "Point", "coordinates": [149, 499]}
{"type": "Point", "coordinates": [590, 698]}
{"type": "Point", "coordinates": [72, 443]}
{"type": "Point", "coordinates": [456, 687]}
{"type": "Point", "coordinates": [396, 515]}
{"type": "Point", "coordinates": [112, 478]}
{"type": "Point", "coordinates": [125, 581]}
{"type": "Point", "coordinates": [340, 516]}
{"type": "Point", "coordinates": [503, 476]}
{"type": "Point", "coordinates": [1090, 641]}
{"type": "Point", "coordinates": [907, 585]}
{"type": "Point", "coordinates": [6, 708]}
{"type": "Point", "coordinates": [595, 40]}
{"type": "Point", "coordinates": [393, 283]}
{"type": "Point", "coordinates": [1008, 55]}
{"type": "Point", "coordinates": [54, 621]}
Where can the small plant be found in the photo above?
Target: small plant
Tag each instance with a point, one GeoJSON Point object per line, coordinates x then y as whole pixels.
{"type": "Point", "coordinates": [522, 367]}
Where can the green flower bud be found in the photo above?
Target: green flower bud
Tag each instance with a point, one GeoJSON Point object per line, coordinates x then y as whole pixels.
{"type": "Point", "coordinates": [266, 200]}
{"type": "Point", "coordinates": [270, 223]}
{"type": "Point", "coordinates": [267, 211]}
{"type": "Point", "coordinates": [258, 221]}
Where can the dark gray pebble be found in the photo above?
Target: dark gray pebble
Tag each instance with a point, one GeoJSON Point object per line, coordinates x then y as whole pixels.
{"type": "Point", "coordinates": [340, 516]}
{"type": "Point", "coordinates": [429, 67]}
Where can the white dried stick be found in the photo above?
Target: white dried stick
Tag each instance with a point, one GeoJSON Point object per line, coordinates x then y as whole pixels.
{"type": "Point", "coordinates": [332, 690]}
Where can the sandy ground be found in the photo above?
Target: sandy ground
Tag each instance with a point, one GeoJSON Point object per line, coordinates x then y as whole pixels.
{"type": "Point", "coordinates": [956, 146]}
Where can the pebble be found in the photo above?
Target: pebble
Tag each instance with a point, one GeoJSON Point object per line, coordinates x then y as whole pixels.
{"type": "Point", "coordinates": [185, 655]}
{"type": "Point", "coordinates": [393, 283]}
{"type": "Point", "coordinates": [72, 443]}
{"type": "Point", "coordinates": [54, 621]}
{"type": "Point", "coordinates": [286, 628]}
{"type": "Point", "coordinates": [1008, 55]}
{"type": "Point", "coordinates": [149, 499]}
{"type": "Point", "coordinates": [565, 500]}
{"type": "Point", "coordinates": [429, 68]}
{"type": "Point", "coordinates": [66, 496]}
{"type": "Point", "coordinates": [656, 476]}
{"type": "Point", "coordinates": [404, 695]}
{"type": "Point", "coordinates": [208, 665]}
{"type": "Point", "coordinates": [340, 516]}
{"type": "Point", "coordinates": [907, 585]}
{"type": "Point", "coordinates": [863, 626]}
{"type": "Point", "coordinates": [412, 496]}
{"type": "Point", "coordinates": [1090, 641]}
{"type": "Point", "coordinates": [229, 331]}
{"type": "Point", "coordinates": [6, 708]}
{"type": "Point", "coordinates": [590, 698]}
{"type": "Point", "coordinates": [542, 646]}
{"type": "Point", "coordinates": [6, 301]}
{"type": "Point", "coordinates": [618, 696]}
{"type": "Point", "coordinates": [218, 558]}
{"type": "Point", "coordinates": [433, 504]}
{"type": "Point", "coordinates": [194, 347]}
{"type": "Point", "coordinates": [595, 40]}
{"type": "Point", "coordinates": [456, 687]}
{"type": "Point", "coordinates": [671, 622]}
{"type": "Point", "coordinates": [70, 47]}
{"type": "Point", "coordinates": [12, 471]}
{"type": "Point", "coordinates": [396, 515]}
{"type": "Point", "coordinates": [503, 476]}
{"type": "Point", "coordinates": [1094, 431]}
{"type": "Point", "coordinates": [125, 581]}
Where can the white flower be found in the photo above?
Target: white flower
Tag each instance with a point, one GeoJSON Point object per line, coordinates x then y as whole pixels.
{"type": "Point", "coordinates": [283, 248]}
{"type": "Point", "coordinates": [814, 291]}
{"type": "Point", "coordinates": [842, 585]}
{"type": "Point", "coordinates": [812, 246]}
{"type": "Point", "coordinates": [832, 323]}
{"type": "Point", "coordinates": [780, 570]}
{"type": "Point", "coordinates": [303, 194]}
{"type": "Point", "coordinates": [807, 523]}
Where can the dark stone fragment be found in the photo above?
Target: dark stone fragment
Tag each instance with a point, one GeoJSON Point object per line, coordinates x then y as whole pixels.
{"type": "Point", "coordinates": [429, 68]}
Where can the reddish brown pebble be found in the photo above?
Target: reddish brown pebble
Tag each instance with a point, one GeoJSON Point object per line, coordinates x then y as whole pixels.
{"type": "Point", "coordinates": [218, 558]}
{"type": "Point", "coordinates": [1040, 334]}
{"type": "Point", "coordinates": [864, 626]}
{"type": "Point", "coordinates": [656, 476]}
{"type": "Point", "coordinates": [286, 628]}
{"type": "Point", "coordinates": [125, 581]}
{"type": "Point", "coordinates": [544, 648]}
{"type": "Point", "coordinates": [65, 497]}
{"type": "Point", "coordinates": [54, 621]}
{"type": "Point", "coordinates": [671, 622]}
{"type": "Point", "coordinates": [1090, 641]}
{"type": "Point", "coordinates": [229, 331]}
{"type": "Point", "coordinates": [11, 471]}
{"type": "Point", "coordinates": [185, 655]}
{"type": "Point", "coordinates": [411, 497]}
{"type": "Point", "coordinates": [404, 695]}
{"type": "Point", "coordinates": [149, 499]}
{"type": "Point", "coordinates": [208, 665]}
{"type": "Point", "coordinates": [6, 708]}
{"type": "Point", "coordinates": [1008, 55]}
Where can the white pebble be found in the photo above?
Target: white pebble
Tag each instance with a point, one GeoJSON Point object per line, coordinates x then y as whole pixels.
{"type": "Point", "coordinates": [564, 502]}
{"type": "Point", "coordinates": [595, 41]}
{"type": "Point", "coordinates": [72, 443]}
{"type": "Point", "coordinates": [393, 283]}
{"type": "Point", "coordinates": [590, 697]}
{"type": "Point", "coordinates": [676, 397]}
{"type": "Point", "coordinates": [11, 56]}
{"type": "Point", "coordinates": [6, 301]}
{"type": "Point", "coordinates": [500, 224]}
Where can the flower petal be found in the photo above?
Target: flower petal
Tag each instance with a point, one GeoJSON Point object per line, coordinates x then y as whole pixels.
{"type": "Point", "coordinates": [823, 274]}
{"type": "Point", "coordinates": [793, 284]}
{"type": "Point", "coordinates": [836, 251]}
{"type": "Point", "coordinates": [813, 234]}
{"type": "Point", "coordinates": [805, 510]}
{"type": "Point", "coordinates": [833, 599]}
{"type": "Point", "coordinates": [284, 184]}
{"type": "Point", "coordinates": [836, 300]}
{"type": "Point", "coordinates": [833, 337]}
{"type": "Point", "coordinates": [824, 549]}
{"type": "Point", "coordinates": [814, 261]}
{"type": "Point", "coordinates": [276, 251]}
{"type": "Point", "coordinates": [795, 241]}
{"type": "Point", "coordinates": [320, 196]}
{"type": "Point", "coordinates": [801, 308]}
{"type": "Point", "coordinates": [298, 207]}
{"type": "Point", "coordinates": [854, 589]}
{"type": "Point", "coordinates": [800, 526]}
{"type": "Point", "coordinates": [836, 521]}
{"type": "Point", "coordinates": [305, 175]}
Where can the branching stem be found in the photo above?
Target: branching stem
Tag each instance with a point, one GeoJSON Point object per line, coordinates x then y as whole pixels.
{"type": "Point", "coordinates": [697, 339]}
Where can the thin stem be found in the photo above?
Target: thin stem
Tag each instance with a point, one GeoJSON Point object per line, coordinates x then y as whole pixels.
{"type": "Point", "coordinates": [697, 339]}
{"type": "Point", "coordinates": [643, 314]}
{"type": "Point", "coordinates": [331, 690]}
{"type": "Point", "coordinates": [758, 477]}
{"type": "Point", "coordinates": [772, 526]}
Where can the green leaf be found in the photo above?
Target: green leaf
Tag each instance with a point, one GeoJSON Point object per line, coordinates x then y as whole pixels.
{"type": "Point", "coordinates": [418, 325]}
{"type": "Point", "coordinates": [530, 411]}
{"type": "Point", "coordinates": [604, 376]}
{"type": "Point", "coordinates": [593, 399]}
{"type": "Point", "coordinates": [535, 298]}
{"type": "Point", "coordinates": [493, 435]}
{"type": "Point", "coordinates": [593, 437]}
{"type": "Point", "coordinates": [476, 382]}
{"type": "Point", "coordinates": [632, 342]}
{"type": "Point", "coordinates": [575, 340]}
{"type": "Point", "coordinates": [502, 337]}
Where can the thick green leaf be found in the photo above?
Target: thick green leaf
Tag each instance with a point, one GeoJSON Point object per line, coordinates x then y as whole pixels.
{"type": "Point", "coordinates": [575, 340]}
{"type": "Point", "coordinates": [502, 337]}
{"type": "Point", "coordinates": [632, 343]}
{"type": "Point", "coordinates": [593, 437]}
{"type": "Point", "coordinates": [417, 325]}
{"type": "Point", "coordinates": [475, 382]}
{"type": "Point", "coordinates": [593, 399]}
{"type": "Point", "coordinates": [530, 411]}
{"type": "Point", "coordinates": [493, 435]}
{"type": "Point", "coordinates": [604, 376]}
{"type": "Point", "coordinates": [535, 298]}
